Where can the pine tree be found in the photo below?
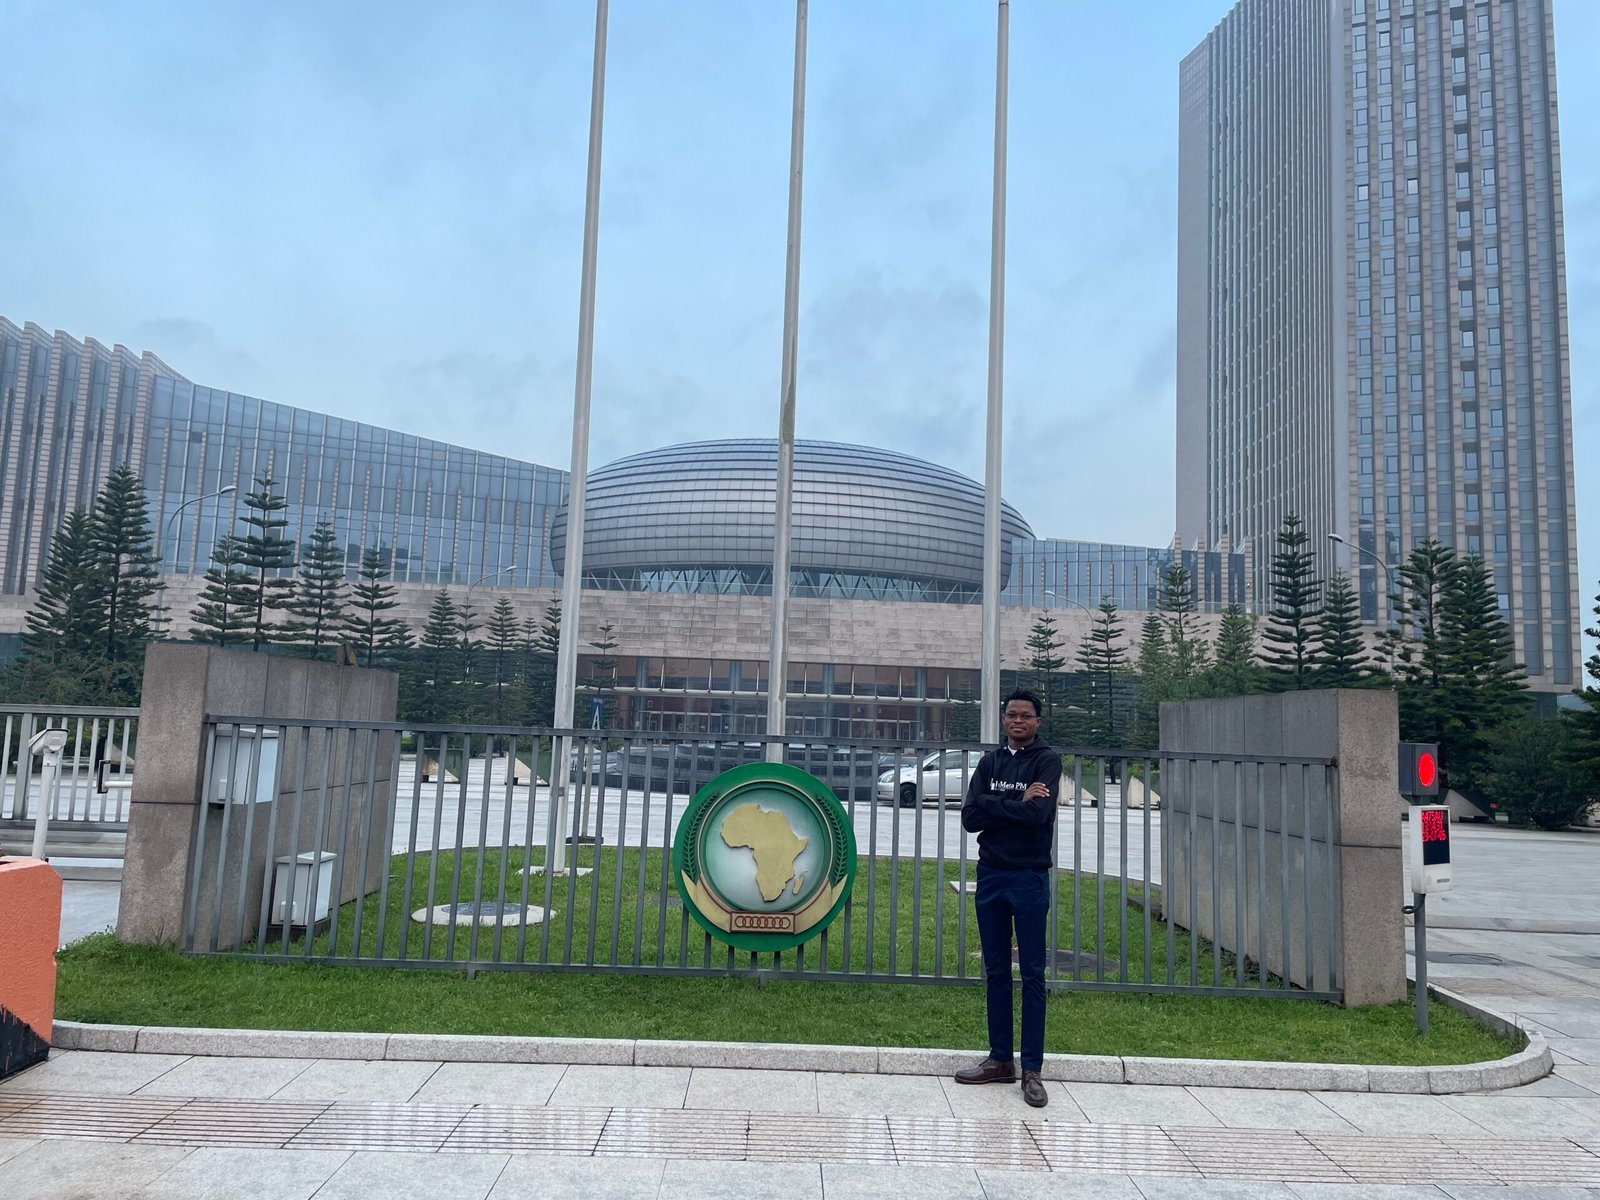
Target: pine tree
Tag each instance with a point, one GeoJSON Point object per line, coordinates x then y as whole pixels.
{"type": "Point", "coordinates": [370, 598]}
{"type": "Point", "coordinates": [603, 669]}
{"type": "Point", "coordinates": [1235, 673]}
{"type": "Point", "coordinates": [317, 604]}
{"type": "Point", "coordinates": [1485, 687]}
{"type": "Point", "coordinates": [223, 613]}
{"type": "Point", "coordinates": [1045, 659]}
{"type": "Point", "coordinates": [438, 660]}
{"type": "Point", "coordinates": [1155, 682]}
{"type": "Point", "coordinates": [964, 723]}
{"type": "Point", "coordinates": [1189, 652]}
{"type": "Point", "coordinates": [1416, 646]}
{"type": "Point", "coordinates": [1340, 660]}
{"type": "Point", "coordinates": [1290, 635]}
{"type": "Point", "coordinates": [124, 549]}
{"type": "Point", "coordinates": [541, 644]}
{"type": "Point", "coordinates": [1104, 659]}
{"type": "Point", "coordinates": [66, 622]}
{"type": "Point", "coordinates": [502, 645]}
{"type": "Point", "coordinates": [1584, 756]}
{"type": "Point", "coordinates": [264, 554]}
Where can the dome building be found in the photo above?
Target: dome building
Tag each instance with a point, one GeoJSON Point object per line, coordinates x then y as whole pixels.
{"type": "Point", "coordinates": [867, 524]}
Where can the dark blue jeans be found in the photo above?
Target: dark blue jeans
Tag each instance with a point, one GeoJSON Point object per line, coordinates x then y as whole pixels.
{"type": "Point", "coordinates": [1020, 899]}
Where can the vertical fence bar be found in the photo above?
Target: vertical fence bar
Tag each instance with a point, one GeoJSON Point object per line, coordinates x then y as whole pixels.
{"type": "Point", "coordinates": [1149, 883]}
{"type": "Point", "coordinates": [337, 900]}
{"type": "Point", "coordinates": [19, 801]}
{"type": "Point", "coordinates": [1192, 852]}
{"type": "Point", "coordinates": [1052, 969]}
{"type": "Point", "coordinates": [667, 805]}
{"type": "Point", "coordinates": [527, 842]}
{"type": "Point", "coordinates": [1308, 852]}
{"type": "Point", "coordinates": [1077, 865]}
{"type": "Point", "coordinates": [387, 834]}
{"type": "Point", "coordinates": [1120, 769]}
{"type": "Point", "coordinates": [484, 795]}
{"type": "Point", "coordinates": [1241, 873]}
{"type": "Point", "coordinates": [1169, 776]}
{"type": "Point", "coordinates": [1216, 888]}
{"type": "Point", "coordinates": [124, 798]}
{"type": "Point", "coordinates": [294, 853]}
{"type": "Point", "coordinates": [222, 841]}
{"type": "Point", "coordinates": [1262, 883]}
{"type": "Point", "coordinates": [872, 877]}
{"type": "Point", "coordinates": [433, 848]}
{"type": "Point", "coordinates": [597, 793]}
{"type": "Point", "coordinates": [7, 809]}
{"type": "Point", "coordinates": [90, 800]}
{"type": "Point", "coordinates": [249, 830]}
{"type": "Point", "coordinates": [916, 868]}
{"type": "Point", "coordinates": [619, 852]}
{"type": "Point", "coordinates": [553, 827]}
{"type": "Point", "coordinates": [961, 913]}
{"type": "Point", "coordinates": [1331, 804]}
{"type": "Point", "coordinates": [643, 875]}
{"type": "Point", "coordinates": [894, 881]}
{"type": "Point", "coordinates": [270, 856]}
{"type": "Point", "coordinates": [191, 908]}
{"type": "Point", "coordinates": [419, 756]}
{"type": "Point", "coordinates": [328, 739]}
{"type": "Point", "coordinates": [1100, 872]}
{"type": "Point", "coordinates": [578, 816]}
{"type": "Point", "coordinates": [366, 846]}
{"type": "Point", "coordinates": [508, 802]}
{"type": "Point", "coordinates": [463, 782]}
{"type": "Point", "coordinates": [845, 930]}
{"type": "Point", "coordinates": [1283, 870]}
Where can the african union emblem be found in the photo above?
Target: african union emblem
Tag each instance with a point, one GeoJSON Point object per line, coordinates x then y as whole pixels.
{"type": "Point", "coordinates": [764, 856]}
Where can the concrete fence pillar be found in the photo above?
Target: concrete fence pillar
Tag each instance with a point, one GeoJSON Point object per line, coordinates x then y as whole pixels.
{"type": "Point", "coordinates": [1354, 926]}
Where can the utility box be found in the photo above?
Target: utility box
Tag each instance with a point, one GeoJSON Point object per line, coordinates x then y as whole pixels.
{"type": "Point", "coordinates": [296, 882]}
{"type": "Point", "coordinates": [1428, 861]}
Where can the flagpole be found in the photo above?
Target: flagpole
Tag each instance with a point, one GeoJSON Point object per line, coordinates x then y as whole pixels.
{"type": "Point", "coordinates": [990, 726]}
{"type": "Point", "coordinates": [572, 569]}
{"type": "Point", "coordinates": [778, 661]}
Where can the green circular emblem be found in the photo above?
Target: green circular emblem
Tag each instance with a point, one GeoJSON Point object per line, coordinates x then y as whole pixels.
{"type": "Point", "coordinates": [764, 856]}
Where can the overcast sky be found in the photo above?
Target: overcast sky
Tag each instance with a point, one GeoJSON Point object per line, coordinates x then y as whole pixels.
{"type": "Point", "coordinates": [376, 211]}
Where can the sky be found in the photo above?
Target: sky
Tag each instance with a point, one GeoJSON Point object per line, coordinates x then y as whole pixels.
{"type": "Point", "coordinates": [375, 210]}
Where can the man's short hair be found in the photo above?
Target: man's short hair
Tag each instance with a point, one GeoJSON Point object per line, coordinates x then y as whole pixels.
{"type": "Point", "coordinates": [1024, 694]}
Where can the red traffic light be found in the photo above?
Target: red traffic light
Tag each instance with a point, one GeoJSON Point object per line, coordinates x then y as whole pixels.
{"type": "Point", "coordinates": [1427, 769]}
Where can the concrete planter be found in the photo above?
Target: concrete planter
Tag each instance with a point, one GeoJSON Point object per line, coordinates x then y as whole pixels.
{"type": "Point", "coordinates": [30, 898]}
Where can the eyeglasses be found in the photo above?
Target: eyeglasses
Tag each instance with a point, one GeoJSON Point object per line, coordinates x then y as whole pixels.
{"type": "Point", "coordinates": [1021, 716]}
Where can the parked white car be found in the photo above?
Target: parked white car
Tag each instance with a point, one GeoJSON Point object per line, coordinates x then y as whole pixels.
{"type": "Point", "coordinates": [940, 778]}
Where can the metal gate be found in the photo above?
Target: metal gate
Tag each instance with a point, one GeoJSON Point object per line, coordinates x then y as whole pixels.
{"type": "Point", "coordinates": [427, 847]}
{"type": "Point", "coordinates": [88, 813]}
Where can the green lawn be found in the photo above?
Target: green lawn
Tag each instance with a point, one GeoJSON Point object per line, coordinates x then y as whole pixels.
{"type": "Point", "coordinates": [103, 981]}
{"type": "Point", "coordinates": [918, 924]}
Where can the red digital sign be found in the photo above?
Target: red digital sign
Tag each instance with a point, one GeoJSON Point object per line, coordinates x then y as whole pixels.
{"type": "Point", "coordinates": [1435, 837]}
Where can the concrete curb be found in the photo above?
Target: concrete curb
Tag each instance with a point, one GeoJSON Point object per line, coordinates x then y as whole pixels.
{"type": "Point", "coordinates": [1532, 1062]}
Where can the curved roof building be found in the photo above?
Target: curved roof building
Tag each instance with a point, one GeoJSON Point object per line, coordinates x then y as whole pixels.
{"type": "Point", "coordinates": [868, 523]}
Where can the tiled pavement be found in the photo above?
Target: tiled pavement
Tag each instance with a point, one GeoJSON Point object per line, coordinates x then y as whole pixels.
{"type": "Point", "coordinates": [99, 1124]}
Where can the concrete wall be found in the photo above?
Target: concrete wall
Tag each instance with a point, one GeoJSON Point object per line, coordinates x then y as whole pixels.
{"type": "Point", "coordinates": [168, 824]}
{"type": "Point", "coordinates": [1256, 817]}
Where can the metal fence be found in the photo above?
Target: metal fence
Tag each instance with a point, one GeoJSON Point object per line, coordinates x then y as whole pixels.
{"type": "Point", "coordinates": [88, 812]}
{"type": "Point", "coordinates": [363, 844]}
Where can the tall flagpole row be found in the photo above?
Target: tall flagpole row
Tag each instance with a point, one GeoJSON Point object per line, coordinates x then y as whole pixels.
{"type": "Point", "coordinates": [572, 567]}
{"type": "Point", "coordinates": [990, 727]}
{"type": "Point", "coordinates": [778, 660]}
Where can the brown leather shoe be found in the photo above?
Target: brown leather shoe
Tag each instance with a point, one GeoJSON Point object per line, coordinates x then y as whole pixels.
{"type": "Point", "coordinates": [990, 1070]}
{"type": "Point", "coordinates": [1033, 1089]}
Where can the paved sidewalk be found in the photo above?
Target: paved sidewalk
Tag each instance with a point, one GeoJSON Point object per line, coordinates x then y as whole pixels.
{"type": "Point", "coordinates": [170, 1126]}
{"type": "Point", "coordinates": [99, 1124]}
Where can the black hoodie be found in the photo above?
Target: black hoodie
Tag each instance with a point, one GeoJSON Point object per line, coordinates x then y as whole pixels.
{"type": "Point", "coordinates": [1013, 834]}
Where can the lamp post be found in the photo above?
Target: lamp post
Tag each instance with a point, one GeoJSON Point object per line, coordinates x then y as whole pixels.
{"type": "Point", "coordinates": [466, 603]}
{"type": "Point", "coordinates": [166, 531]}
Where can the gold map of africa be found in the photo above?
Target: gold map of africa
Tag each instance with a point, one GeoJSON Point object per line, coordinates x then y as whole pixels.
{"type": "Point", "coordinates": [767, 835]}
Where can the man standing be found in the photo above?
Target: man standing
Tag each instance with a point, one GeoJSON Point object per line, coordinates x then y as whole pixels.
{"type": "Point", "coordinates": [1011, 806]}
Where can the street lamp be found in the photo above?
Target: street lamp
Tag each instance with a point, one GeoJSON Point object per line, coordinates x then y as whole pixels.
{"type": "Point", "coordinates": [1068, 600]}
{"type": "Point", "coordinates": [1349, 545]}
{"type": "Point", "coordinates": [166, 531]}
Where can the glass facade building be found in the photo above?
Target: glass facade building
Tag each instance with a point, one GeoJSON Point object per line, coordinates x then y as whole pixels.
{"type": "Point", "coordinates": [695, 519]}
{"type": "Point", "coordinates": [1372, 297]}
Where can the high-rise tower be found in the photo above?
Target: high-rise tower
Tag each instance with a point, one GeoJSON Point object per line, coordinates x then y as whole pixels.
{"type": "Point", "coordinates": [1372, 297]}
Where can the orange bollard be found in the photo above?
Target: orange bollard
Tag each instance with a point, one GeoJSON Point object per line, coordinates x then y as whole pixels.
{"type": "Point", "coordinates": [30, 898]}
